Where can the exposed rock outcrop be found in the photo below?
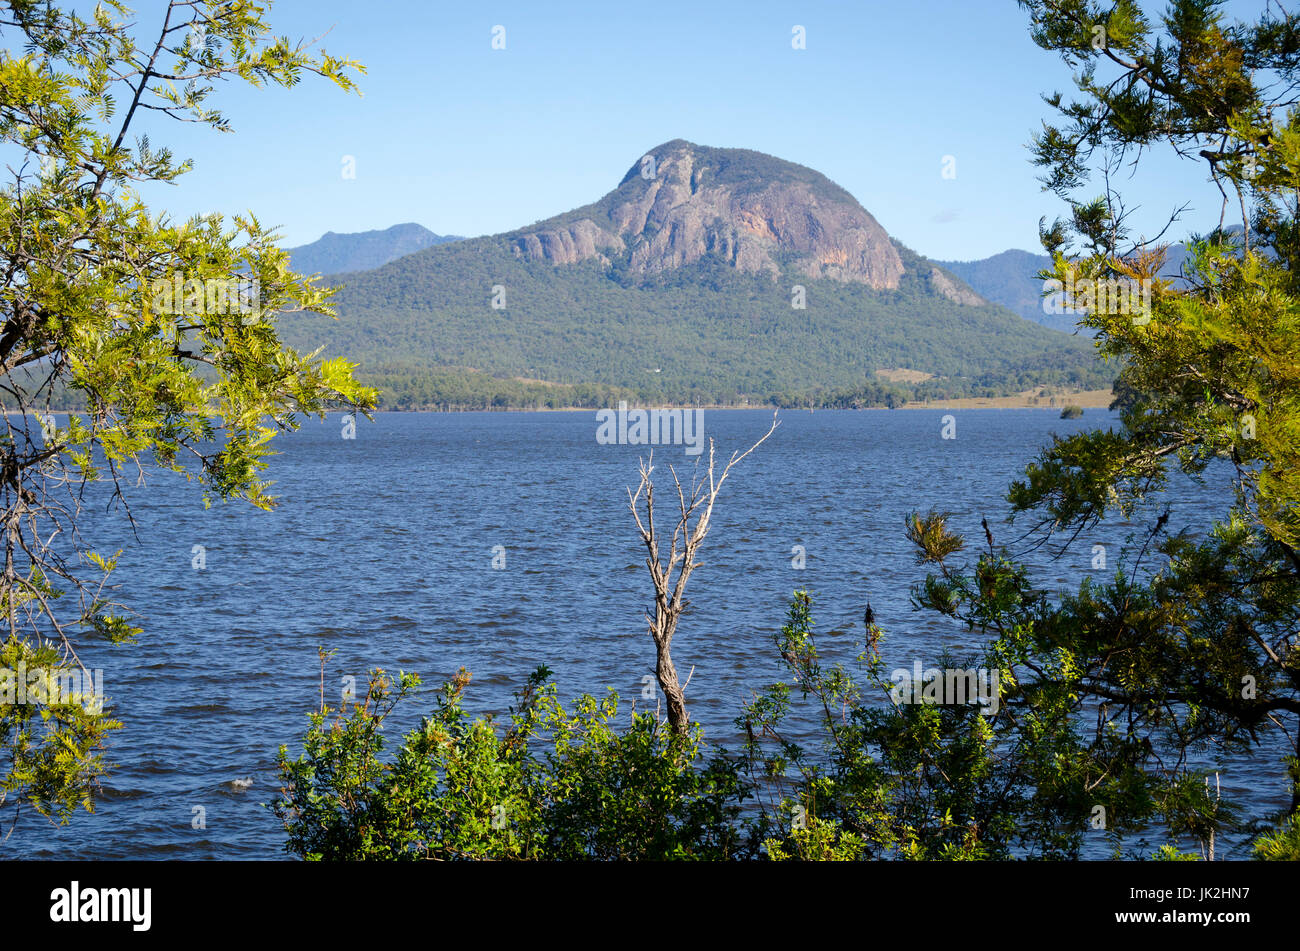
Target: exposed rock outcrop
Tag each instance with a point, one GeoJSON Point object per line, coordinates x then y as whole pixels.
{"type": "Point", "coordinates": [942, 284]}
{"type": "Point", "coordinates": [752, 211]}
{"type": "Point", "coordinates": [580, 241]}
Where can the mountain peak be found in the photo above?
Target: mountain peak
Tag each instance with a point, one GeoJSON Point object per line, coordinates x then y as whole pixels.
{"type": "Point", "coordinates": [334, 253]}
{"type": "Point", "coordinates": [743, 169]}
{"type": "Point", "coordinates": [681, 203]}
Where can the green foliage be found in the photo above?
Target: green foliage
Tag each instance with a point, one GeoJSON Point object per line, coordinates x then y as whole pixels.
{"type": "Point", "coordinates": [50, 739]}
{"type": "Point", "coordinates": [1209, 648]}
{"type": "Point", "coordinates": [1032, 770]}
{"type": "Point", "coordinates": [552, 785]}
{"type": "Point", "coordinates": [196, 380]}
{"type": "Point", "coordinates": [1281, 844]}
{"type": "Point", "coordinates": [1105, 694]}
{"type": "Point", "coordinates": [1170, 853]}
{"type": "Point", "coordinates": [1142, 674]}
{"type": "Point", "coordinates": [909, 780]}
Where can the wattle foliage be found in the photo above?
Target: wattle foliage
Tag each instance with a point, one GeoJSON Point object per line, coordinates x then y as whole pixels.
{"type": "Point", "coordinates": [165, 331]}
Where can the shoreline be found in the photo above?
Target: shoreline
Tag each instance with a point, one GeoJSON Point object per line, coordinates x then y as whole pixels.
{"type": "Point", "coordinates": [957, 404]}
{"type": "Point", "coordinates": [1085, 399]}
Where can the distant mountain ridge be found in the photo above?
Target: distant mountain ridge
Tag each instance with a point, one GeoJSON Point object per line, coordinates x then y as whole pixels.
{"type": "Point", "coordinates": [707, 275]}
{"type": "Point", "coordinates": [1011, 279]}
{"type": "Point", "coordinates": [363, 250]}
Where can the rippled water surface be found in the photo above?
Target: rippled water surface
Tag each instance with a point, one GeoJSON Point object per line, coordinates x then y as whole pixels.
{"type": "Point", "coordinates": [382, 550]}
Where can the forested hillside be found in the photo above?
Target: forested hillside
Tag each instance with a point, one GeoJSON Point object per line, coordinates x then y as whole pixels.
{"type": "Point", "coordinates": [683, 287]}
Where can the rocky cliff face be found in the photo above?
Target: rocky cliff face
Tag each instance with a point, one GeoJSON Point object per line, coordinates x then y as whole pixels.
{"type": "Point", "coordinates": [579, 241]}
{"type": "Point", "coordinates": [944, 285]}
{"type": "Point", "coordinates": [684, 202]}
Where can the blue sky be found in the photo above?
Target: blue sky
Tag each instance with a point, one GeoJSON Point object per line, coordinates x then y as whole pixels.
{"type": "Point", "coordinates": [469, 140]}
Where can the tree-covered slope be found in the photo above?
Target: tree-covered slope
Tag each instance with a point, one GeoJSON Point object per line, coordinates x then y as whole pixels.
{"type": "Point", "coordinates": [679, 287]}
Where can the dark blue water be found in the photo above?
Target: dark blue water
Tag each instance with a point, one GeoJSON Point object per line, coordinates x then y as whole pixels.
{"type": "Point", "coordinates": [382, 549]}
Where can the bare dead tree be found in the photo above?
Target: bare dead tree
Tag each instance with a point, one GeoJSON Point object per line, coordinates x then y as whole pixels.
{"type": "Point", "coordinates": [669, 572]}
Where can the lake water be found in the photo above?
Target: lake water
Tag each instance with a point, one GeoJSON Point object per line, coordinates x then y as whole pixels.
{"type": "Point", "coordinates": [383, 546]}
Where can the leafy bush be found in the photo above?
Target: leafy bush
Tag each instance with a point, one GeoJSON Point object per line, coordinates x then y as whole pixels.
{"type": "Point", "coordinates": [551, 785]}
